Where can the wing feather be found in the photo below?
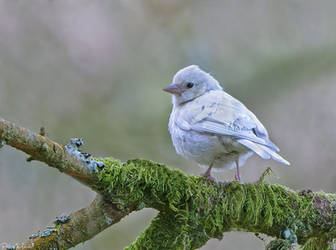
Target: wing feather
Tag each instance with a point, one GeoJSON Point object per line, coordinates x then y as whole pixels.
{"type": "Point", "coordinates": [219, 113]}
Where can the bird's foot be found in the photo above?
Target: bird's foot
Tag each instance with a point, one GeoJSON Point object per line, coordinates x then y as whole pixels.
{"type": "Point", "coordinates": [209, 177]}
{"type": "Point", "coordinates": [237, 178]}
{"type": "Point", "coordinates": [237, 175]}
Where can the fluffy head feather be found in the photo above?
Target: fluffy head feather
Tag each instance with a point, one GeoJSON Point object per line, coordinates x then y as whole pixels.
{"type": "Point", "coordinates": [191, 82]}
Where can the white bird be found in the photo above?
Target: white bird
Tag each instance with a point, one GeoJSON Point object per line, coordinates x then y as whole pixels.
{"type": "Point", "coordinates": [211, 127]}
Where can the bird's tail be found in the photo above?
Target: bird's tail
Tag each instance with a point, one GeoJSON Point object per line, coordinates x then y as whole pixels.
{"type": "Point", "coordinates": [263, 151]}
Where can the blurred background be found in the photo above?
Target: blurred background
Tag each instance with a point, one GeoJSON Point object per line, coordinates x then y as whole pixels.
{"type": "Point", "coordinates": [96, 69]}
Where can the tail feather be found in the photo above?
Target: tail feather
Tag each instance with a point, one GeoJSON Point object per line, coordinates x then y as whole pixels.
{"type": "Point", "coordinates": [275, 156]}
{"type": "Point", "coordinates": [255, 147]}
{"type": "Point", "coordinates": [263, 151]}
{"type": "Point", "coordinates": [271, 145]}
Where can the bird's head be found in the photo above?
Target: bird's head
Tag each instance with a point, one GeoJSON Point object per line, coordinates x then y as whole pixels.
{"type": "Point", "coordinates": [189, 83]}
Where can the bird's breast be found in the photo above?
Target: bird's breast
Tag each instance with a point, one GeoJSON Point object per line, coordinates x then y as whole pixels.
{"type": "Point", "coordinates": [200, 147]}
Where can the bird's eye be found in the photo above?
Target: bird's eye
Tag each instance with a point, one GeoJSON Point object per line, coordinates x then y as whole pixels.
{"type": "Point", "coordinates": [190, 85]}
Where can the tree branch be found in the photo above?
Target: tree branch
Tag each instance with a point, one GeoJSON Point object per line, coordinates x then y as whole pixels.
{"type": "Point", "coordinates": [78, 227]}
{"type": "Point", "coordinates": [191, 209]}
{"type": "Point", "coordinates": [45, 150]}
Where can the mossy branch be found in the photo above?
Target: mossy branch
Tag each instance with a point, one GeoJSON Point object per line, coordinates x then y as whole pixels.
{"type": "Point", "coordinates": [191, 209]}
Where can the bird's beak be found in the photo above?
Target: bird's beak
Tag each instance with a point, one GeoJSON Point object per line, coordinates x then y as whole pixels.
{"type": "Point", "coordinates": [173, 89]}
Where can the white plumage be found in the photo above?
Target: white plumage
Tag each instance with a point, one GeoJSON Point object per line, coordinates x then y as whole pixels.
{"type": "Point", "coordinates": [213, 128]}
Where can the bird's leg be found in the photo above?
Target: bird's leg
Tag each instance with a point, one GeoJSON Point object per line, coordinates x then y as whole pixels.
{"type": "Point", "coordinates": [207, 173]}
{"type": "Point", "coordinates": [237, 175]}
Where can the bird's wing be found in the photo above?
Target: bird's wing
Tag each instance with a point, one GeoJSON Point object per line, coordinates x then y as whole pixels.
{"type": "Point", "coordinates": [219, 113]}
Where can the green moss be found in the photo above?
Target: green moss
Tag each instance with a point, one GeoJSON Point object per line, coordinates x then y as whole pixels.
{"type": "Point", "coordinates": [279, 244]}
{"type": "Point", "coordinates": [166, 233]}
{"type": "Point", "coordinates": [193, 209]}
{"type": "Point", "coordinates": [318, 243]}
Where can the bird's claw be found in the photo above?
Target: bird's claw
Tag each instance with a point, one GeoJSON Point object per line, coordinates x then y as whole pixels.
{"type": "Point", "coordinates": [237, 178]}
{"type": "Point", "coordinates": [209, 177]}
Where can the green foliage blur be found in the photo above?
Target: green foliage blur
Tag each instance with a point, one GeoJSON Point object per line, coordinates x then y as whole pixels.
{"type": "Point", "coordinates": [96, 69]}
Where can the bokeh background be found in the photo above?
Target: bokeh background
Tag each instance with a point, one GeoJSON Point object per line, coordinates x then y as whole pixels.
{"type": "Point", "coordinates": [96, 69]}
